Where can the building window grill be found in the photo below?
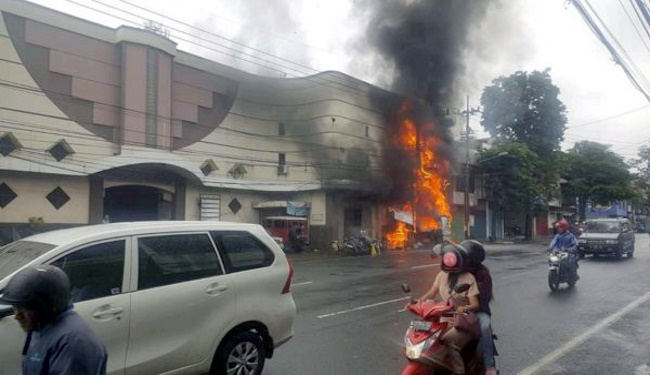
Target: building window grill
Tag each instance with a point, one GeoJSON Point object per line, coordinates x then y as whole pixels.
{"type": "Point", "coordinates": [6, 195]}
{"type": "Point", "coordinates": [208, 167]}
{"type": "Point", "coordinates": [61, 150]}
{"type": "Point", "coordinates": [8, 144]}
{"type": "Point", "coordinates": [58, 197]}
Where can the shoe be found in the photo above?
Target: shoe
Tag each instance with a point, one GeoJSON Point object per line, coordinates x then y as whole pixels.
{"type": "Point", "coordinates": [491, 371]}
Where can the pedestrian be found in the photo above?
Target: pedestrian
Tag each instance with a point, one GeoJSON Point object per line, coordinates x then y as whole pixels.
{"type": "Point", "coordinates": [59, 342]}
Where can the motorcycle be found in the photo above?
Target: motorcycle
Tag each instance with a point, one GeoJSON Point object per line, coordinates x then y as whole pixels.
{"type": "Point", "coordinates": [559, 270]}
{"type": "Point", "coordinates": [356, 245]}
{"type": "Point", "coordinates": [423, 338]}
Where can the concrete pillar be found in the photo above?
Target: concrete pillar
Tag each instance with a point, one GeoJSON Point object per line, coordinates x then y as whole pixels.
{"type": "Point", "coordinates": [96, 200]}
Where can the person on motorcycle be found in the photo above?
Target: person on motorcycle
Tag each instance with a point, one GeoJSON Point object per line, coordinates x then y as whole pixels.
{"type": "Point", "coordinates": [59, 342]}
{"type": "Point", "coordinates": [564, 240]}
{"type": "Point", "coordinates": [453, 266]}
{"type": "Point", "coordinates": [476, 256]}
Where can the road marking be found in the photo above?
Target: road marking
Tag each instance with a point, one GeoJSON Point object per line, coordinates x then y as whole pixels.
{"type": "Point", "coordinates": [425, 266]}
{"type": "Point", "coordinates": [305, 283]}
{"type": "Point", "coordinates": [363, 307]}
{"type": "Point", "coordinates": [566, 348]}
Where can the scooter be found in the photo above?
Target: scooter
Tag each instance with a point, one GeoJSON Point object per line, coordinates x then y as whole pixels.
{"type": "Point", "coordinates": [559, 270]}
{"type": "Point", "coordinates": [423, 338]}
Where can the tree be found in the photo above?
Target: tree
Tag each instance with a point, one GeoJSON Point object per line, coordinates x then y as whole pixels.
{"type": "Point", "coordinates": [511, 179]}
{"type": "Point", "coordinates": [524, 107]}
{"type": "Point", "coordinates": [597, 175]}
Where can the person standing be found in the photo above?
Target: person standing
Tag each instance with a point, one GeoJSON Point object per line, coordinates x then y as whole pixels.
{"type": "Point", "coordinates": [59, 341]}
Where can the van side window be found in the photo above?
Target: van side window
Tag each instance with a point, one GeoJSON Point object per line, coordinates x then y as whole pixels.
{"type": "Point", "coordinates": [95, 271]}
{"type": "Point", "coordinates": [171, 259]}
{"type": "Point", "coordinates": [242, 251]}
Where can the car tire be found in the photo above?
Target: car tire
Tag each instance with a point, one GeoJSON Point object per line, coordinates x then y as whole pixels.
{"type": "Point", "coordinates": [243, 353]}
{"type": "Point", "coordinates": [630, 255]}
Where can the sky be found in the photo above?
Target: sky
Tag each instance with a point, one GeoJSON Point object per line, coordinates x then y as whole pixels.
{"type": "Point", "coordinates": [301, 37]}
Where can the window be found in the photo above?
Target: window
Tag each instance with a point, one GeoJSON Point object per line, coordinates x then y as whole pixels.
{"type": "Point", "coordinates": [242, 251]}
{"type": "Point", "coordinates": [282, 159]}
{"type": "Point", "coordinates": [164, 260]}
{"type": "Point", "coordinates": [95, 271]}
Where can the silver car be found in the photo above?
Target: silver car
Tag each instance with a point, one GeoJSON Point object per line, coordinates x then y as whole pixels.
{"type": "Point", "coordinates": [166, 297]}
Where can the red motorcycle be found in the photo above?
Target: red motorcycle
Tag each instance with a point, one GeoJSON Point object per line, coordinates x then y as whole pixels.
{"type": "Point", "coordinates": [423, 339]}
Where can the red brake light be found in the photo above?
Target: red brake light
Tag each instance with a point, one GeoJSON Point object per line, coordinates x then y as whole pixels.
{"type": "Point", "coordinates": [287, 285]}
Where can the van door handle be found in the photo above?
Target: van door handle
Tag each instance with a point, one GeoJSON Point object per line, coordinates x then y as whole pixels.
{"type": "Point", "coordinates": [103, 314]}
{"type": "Point", "coordinates": [216, 289]}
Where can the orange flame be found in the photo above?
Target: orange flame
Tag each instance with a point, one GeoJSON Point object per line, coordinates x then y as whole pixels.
{"type": "Point", "coordinates": [429, 184]}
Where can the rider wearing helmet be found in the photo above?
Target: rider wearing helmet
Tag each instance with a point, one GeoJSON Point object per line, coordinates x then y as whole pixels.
{"type": "Point", "coordinates": [58, 340]}
{"type": "Point", "coordinates": [454, 273]}
{"type": "Point", "coordinates": [476, 256]}
{"type": "Point", "coordinates": [564, 240]}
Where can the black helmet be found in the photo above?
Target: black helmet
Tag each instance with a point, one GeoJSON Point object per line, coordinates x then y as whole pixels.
{"type": "Point", "coordinates": [475, 252]}
{"type": "Point", "coordinates": [44, 289]}
{"type": "Point", "coordinates": [454, 258]}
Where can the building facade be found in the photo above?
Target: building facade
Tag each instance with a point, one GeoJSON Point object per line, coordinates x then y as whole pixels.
{"type": "Point", "coordinates": [100, 124]}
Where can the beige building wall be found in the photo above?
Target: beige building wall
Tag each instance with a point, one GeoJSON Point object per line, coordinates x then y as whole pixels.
{"type": "Point", "coordinates": [31, 201]}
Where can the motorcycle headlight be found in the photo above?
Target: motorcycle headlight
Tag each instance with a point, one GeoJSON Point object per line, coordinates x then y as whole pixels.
{"type": "Point", "coordinates": [414, 351]}
{"type": "Point", "coordinates": [554, 258]}
{"type": "Point", "coordinates": [611, 242]}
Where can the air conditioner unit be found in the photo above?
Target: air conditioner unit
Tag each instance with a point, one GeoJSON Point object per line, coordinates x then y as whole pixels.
{"type": "Point", "coordinates": [283, 169]}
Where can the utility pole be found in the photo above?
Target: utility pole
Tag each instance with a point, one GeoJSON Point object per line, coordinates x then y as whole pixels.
{"type": "Point", "coordinates": [467, 137]}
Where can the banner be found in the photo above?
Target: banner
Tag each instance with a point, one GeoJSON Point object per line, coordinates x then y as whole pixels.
{"type": "Point", "coordinates": [297, 209]}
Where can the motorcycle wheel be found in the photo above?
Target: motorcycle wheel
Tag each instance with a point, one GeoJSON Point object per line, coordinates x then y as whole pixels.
{"type": "Point", "coordinates": [553, 280]}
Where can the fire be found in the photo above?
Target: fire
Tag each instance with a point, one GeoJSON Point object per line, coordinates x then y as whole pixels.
{"type": "Point", "coordinates": [429, 183]}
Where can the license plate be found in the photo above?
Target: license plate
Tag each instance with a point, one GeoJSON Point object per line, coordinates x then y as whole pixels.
{"type": "Point", "coordinates": [420, 325]}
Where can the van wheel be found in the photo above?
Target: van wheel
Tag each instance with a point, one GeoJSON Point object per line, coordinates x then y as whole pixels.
{"type": "Point", "coordinates": [243, 353]}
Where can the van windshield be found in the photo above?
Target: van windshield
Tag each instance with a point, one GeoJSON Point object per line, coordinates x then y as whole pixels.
{"type": "Point", "coordinates": [603, 227]}
{"type": "Point", "coordinates": [17, 254]}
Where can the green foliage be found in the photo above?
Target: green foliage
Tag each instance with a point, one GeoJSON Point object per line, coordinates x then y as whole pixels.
{"type": "Point", "coordinates": [596, 174]}
{"type": "Point", "coordinates": [513, 180]}
{"type": "Point", "coordinates": [524, 107]}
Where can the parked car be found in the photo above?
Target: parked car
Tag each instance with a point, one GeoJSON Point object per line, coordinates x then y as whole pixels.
{"type": "Point", "coordinates": [607, 237]}
{"type": "Point", "coordinates": [166, 297]}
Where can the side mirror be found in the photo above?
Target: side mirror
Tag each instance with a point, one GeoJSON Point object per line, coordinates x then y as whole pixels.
{"type": "Point", "coordinates": [406, 288]}
{"type": "Point", "coordinates": [462, 288]}
{"type": "Point", "coordinates": [6, 310]}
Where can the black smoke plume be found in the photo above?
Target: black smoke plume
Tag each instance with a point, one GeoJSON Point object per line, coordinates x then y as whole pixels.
{"type": "Point", "coordinates": [424, 42]}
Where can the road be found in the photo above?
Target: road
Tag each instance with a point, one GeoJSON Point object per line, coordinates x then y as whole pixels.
{"type": "Point", "coordinates": [350, 319]}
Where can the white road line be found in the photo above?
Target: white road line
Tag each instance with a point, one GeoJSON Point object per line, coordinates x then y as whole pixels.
{"type": "Point", "coordinates": [363, 307]}
{"type": "Point", "coordinates": [305, 283]}
{"type": "Point", "coordinates": [566, 348]}
{"type": "Point", "coordinates": [425, 266]}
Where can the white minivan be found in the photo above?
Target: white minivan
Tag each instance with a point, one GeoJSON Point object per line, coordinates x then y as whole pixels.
{"type": "Point", "coordinates": [170, 297]}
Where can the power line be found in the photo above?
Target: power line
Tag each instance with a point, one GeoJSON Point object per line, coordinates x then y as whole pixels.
{"type": "Point", "coordinates": [142, 114]}
{"type": "Point", "coordinates": [318, 80]}
{"type": "Point", "coordinates": [634, 25]}
{"type": "Point", "coordinates": [610, 117]}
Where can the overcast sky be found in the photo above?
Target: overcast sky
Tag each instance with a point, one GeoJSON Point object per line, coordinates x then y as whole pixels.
{"type": "Point", "coordinates": [305, 36]}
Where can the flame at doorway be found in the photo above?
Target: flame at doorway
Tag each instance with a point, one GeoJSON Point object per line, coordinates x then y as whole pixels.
{"type": "Point", "coordinates": [429, 185]}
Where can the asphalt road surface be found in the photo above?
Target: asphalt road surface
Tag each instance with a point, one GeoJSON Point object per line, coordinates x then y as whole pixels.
{"type": "Point", "coordinates": [350, 318]}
